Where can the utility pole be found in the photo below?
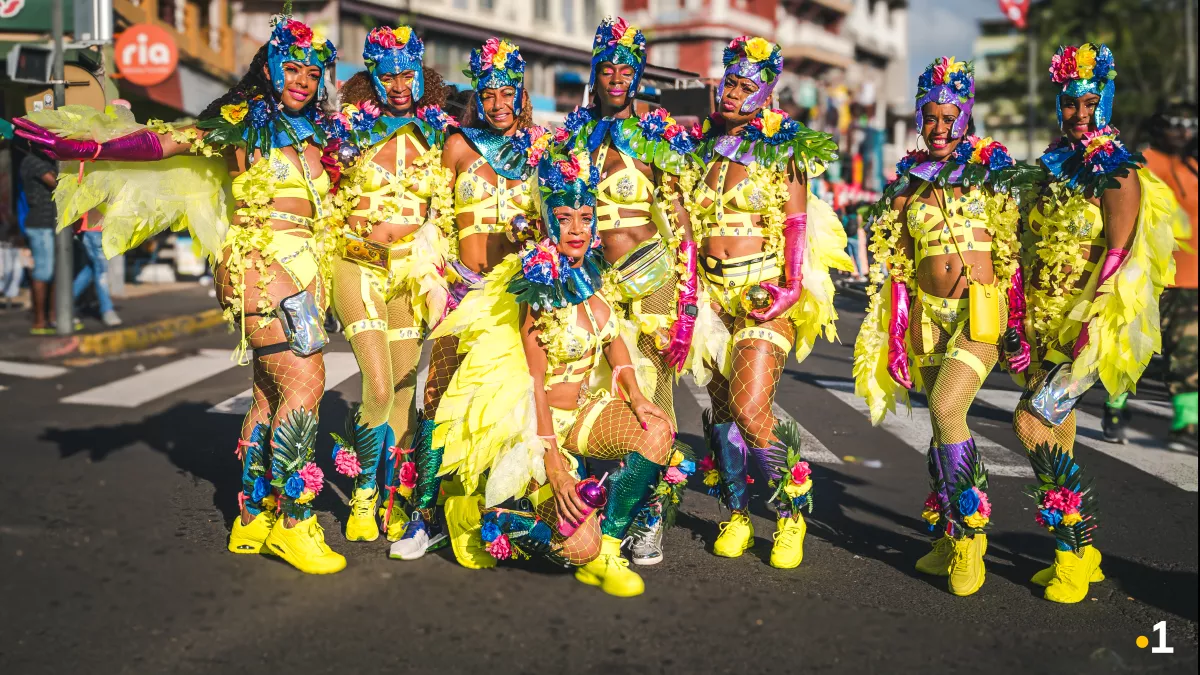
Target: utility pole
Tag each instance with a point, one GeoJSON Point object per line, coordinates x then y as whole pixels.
{"type": "Point", "coordinates": [1031, 105]}
{"type": "Point", "coordinates": [1189, 36]}
{"type": "Point", "coordinates": [64, 242]}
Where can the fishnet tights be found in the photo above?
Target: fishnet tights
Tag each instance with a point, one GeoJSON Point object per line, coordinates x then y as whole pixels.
{"type": "Point", "coordinates": [1032, 431]}
{"type": "Point", "coordinates": [747, 398]}
{"type": "Point", "coordinates": [661, 301]}
{"type": "Point", "coordinates": [443, 361]}
{"type": "Point", "coordinates": [952, 386]}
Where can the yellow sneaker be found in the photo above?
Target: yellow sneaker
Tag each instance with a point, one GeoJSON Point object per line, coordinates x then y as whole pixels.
{"type": "Point", "coordinates": [610, 571]}
{"type": "Point", "coordinates": [788, 550]}
{"type": "Point", "coordinates": [394, 525]}
{"type": "Point", "coordinates": [966, 569]}
{"type": "Point", "coordinates": [1072, 574]}
{"type": "Point", "coordinates": [361, 525]}
{"type": "Point", "coordinates": [462, 524]}
{"type": "Point", "coordinates": [249, 538]}
{"type": "Point", "coordinates": [1043, 577]}
{"type": "Point", "coordinates": [737, 535]}
{"type": "Point", "coordinates": [303, 547]}
{"type": "Point", "coordinates": [937, 561]}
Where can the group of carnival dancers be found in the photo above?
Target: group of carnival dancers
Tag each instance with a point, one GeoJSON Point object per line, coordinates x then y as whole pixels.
{"type": "Point", "coordinates": [567, 277]}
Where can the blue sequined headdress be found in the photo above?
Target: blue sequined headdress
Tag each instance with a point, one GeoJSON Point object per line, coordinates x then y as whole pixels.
{"type": "Point", "coordinates": [295, 41]}
{"type": "Point", "coordinates": [566, 179]}
{"type": "Point", "coordinates": [391, 51]}
{"type": "Point", "coordinates": [756, 59]}
{"type": "Point", "coordinates": [948, 81]}
{"type": "Point", "coordinates": [620, 44]}
{"type": "Point", "coordinates": [1087, 69]}
{"type": "Point", "coordinates": [497, 64]}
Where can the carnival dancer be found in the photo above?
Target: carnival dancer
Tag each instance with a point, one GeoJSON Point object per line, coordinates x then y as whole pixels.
{"type": "Point", "coordinates": [268, 132]}
{"type": "Point", "coordinates": [643, 224]}
{"type": "Point", "coordinates": [524, 406]}
{"type": "Point", "coordinates": [493, 213]}
{"type": "Point", "coordinates": [1098, 250]}
{"type": "Point", "coordinates": [946, 233]}
{"type": "Point", "coordinates": [766, 247]}
{"type": "Point", "coordinates": [388, 290]}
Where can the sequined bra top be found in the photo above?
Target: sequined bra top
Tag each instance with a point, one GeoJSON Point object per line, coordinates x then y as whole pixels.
{"type": "Point", "coordinates": [729, 213]}
{"type": "Point", "coordinates": [934, 235]}
{"type": "Point", "coordinates": [411, 186]}
{"type": "Point", "coordinates": [474, 194]}
{"type": "Point", "coordinates": [291, 182]}
{"type": "Point", "coordinates": [580, 350]}
{"type": "Point", "coordinates": [626, 188]}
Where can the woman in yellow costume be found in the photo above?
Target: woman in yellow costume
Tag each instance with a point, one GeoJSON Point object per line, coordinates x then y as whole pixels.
{"type": "Point", "coordinates": [643, 223]}
{"type": "Point", "coordinates": [388, 289]}
{"type": "Point", "coordinates": [946, 231]}
{"type": "Point", "coordinates": [267, 133]}
{"type": "Point", "coordinates": [526, 404]}
{"type": "Point", "coordinates": [1098, 249]}
{"type": "Point", "coordinates": [766, 247]}
{"type": "Point", "coordinates": [491, 159]}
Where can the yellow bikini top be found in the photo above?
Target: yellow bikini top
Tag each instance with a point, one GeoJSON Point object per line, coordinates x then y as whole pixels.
{"type": "Point", "coordinates": [934, 236]}
{"type": "Point", "coordinates": [290, 182]}
{"type": "Point", "coordinates": [578, 349]}
{"type": "Point", "coordinates": [410, 186]}
{"type": "Point", "coordinates": [626, 188]}
{"type": "Point", "coordinates": [730, 213]}
{"type": "Point", "coordinates": [474, 194]}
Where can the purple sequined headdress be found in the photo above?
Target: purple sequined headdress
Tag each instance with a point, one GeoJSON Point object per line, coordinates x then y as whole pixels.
{"type": "Point", "coordinates": [758, 60]}
{"type": "Point", "coordinates": [948, 81]}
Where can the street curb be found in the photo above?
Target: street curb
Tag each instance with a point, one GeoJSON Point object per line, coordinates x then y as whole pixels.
{"type": "Point", "coordinates": [134, 338]}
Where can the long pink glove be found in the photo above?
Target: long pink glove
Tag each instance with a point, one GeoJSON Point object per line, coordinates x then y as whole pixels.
{"type": "Point", "coordinates": [1112, 262]}
{"type": "Point", "coordinates": [1019, 360]}
{"type": "Point", "coordinates": [676, 351]}
{"type": "Point", "coordinates": [783, 297]}
{"type": "Point", "coordinates": [141, 146]}
{"type": "Point", "coordinates": [897, 347]}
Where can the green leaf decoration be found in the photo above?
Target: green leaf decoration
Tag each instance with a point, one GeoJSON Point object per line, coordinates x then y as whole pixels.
{"type": "Point", "coordinates": [293, 445]}
{"type": "Point", "coordinates": [1053, 467]}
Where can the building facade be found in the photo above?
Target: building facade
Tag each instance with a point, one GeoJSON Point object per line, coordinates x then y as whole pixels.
{"type": "Point", "coordinates": [996, 52]}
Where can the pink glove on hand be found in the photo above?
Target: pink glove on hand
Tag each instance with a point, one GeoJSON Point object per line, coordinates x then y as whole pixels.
{"type": "Point", "coordinates": [680, 342]}
{"type": "Point", "coordinates": [897, 347]}
{"type": "Point", "coordinates": [1018, 361]}
{"type": "Point", "coordinates": [1112, 262]}
{"type": "Point", "coordinates": [140, 146]}
{"type": "Point", "coordinates": [783, 297]}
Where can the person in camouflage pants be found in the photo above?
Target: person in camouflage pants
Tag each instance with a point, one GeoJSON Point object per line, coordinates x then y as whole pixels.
{"type": "Point", "coordinates": [1179, 309]}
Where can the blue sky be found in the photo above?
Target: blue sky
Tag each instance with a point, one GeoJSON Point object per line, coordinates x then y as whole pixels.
{"type": "Point", "coordinates": [943, 28]}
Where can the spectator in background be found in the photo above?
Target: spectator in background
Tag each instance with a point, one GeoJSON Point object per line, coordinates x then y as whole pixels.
{"type": "Point", "coordinates": [39, 176]}
{"type": "Point", "coordinates": [96, 270]}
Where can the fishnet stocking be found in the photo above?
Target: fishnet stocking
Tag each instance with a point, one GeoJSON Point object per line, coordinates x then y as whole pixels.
{"type": "Point", "coordinates": [662, 302]}
{"type": "Point", "coordinates": [443, 361]}
{"type": "Point", "coordinates": [405, 356]}
{"type": "Point", "coordinates": [617, 432]}
{"type": "Point", "coordinates": [757, 365]}
{"type": "Point", "coordinates": [583, 546]}
{"type": "Point", "coordinates": [370, 346]}
{"type": "Point", "coordinates": [718, 387]}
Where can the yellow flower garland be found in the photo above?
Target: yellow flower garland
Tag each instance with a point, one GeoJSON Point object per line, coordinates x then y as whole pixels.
{"type": "Point", "coordinates": [1057, 262]}
{"type": "Point", "coordinates": [187, 135]}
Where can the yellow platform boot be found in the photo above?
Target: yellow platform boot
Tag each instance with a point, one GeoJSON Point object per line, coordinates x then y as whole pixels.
{"type": "Point", "coordinates": [737, 535]}
{"type": "Point", "coordinates": [249, 537]}
{"type": "Point", "coordinates": [361, 525]}
{"type": "Point", "coordinates": [1072, 575]}
{"type": "Point", "coordinates": [462, 524]}
{"type": "Point", "coordinates": [788, 550]}
{"type": "Point", "coordinates": [967, 570]}
{"type": "Point", "coordinates": [303, 547]}
{"type": "Point", "coordinates": [610, 571]}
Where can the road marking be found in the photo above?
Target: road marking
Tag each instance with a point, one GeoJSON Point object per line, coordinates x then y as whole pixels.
{"type": "Point", "coordinates": [914, 431]}
{"type": "Point", "coordinates": [1162, 409]}
{"type": "Point", "coordinates": [339, 366]}
{"type": "Point", "coordinates": [1142, 451]}
{"type": "Point", "coordinates": [811, 448]}
{"type": "Point", "coordinates": [33, 371]}
{"type": "Point", "coordinates": [133, 391]}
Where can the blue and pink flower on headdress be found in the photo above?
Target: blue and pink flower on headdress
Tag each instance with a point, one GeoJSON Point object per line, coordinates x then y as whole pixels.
{"type": "Point", "coordinates": [391, 51]}
{"type": "Point", "coordinates": [295, 41]}
{"type": "Point", "coordinates": [619, 43]}
{"type": "Point", "coordinates": [948, 81]}
{"type": "Point", "coordinates": [498, 63]}
{"type": "Point", "coordinates": [1087, 69]}
{"type": "Point", "coordinates": [757, 60]}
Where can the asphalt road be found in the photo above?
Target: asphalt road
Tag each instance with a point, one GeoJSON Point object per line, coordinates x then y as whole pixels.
{"type": "Point", "coordinates": [114, 513]}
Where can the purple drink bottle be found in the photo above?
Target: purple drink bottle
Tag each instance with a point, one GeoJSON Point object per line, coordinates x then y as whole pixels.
{"type": "Point", "coordinates": [593, 493]}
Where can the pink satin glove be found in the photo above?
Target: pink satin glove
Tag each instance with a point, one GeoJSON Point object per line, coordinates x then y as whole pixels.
{"type": "Point", "coordinates": [1112, 262]}
{"type": "Point", "coordinates": [783, 297]}
{"type": "Point", "coordinates": [897, 329]}
{"type": "Point", "coordinates": [1018, 361]}
{"type": "Point", "coordinates": [680, 342]}
{"type": "Point", "coordinates": [141, 146]}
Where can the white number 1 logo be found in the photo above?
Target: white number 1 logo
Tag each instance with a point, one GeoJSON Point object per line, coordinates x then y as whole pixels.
{"type": "Point", "coordinates": [1162, 648]}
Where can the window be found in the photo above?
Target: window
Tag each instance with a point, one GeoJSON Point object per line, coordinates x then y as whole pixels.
{"type": "Point", "coordinates": [568, 11]}
{"type": "Point", "coordinates": [591, 18]}
{"type": "Point", "coordinates": [488, 6]}
{"type": "Point", "coordinates": [541, 10]}
{"type": "Point", "coordinates": [665, 54]}
{"type": "Point", "coordinates": [460, 4]}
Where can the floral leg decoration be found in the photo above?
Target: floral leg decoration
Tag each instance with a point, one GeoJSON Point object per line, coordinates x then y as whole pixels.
{"type": "Point", "coordinates": [958, 497]}
{"type": "Point", "coordinates": [1067, 508]}
{"type": "Point", "coordinates": [790, 478]}
{"type": "Point", "coordinates": [509, 534]}
{"type": "Point", "coordinates": [256, 496]}
{"type": "Point", "coordinates": [356, 453]}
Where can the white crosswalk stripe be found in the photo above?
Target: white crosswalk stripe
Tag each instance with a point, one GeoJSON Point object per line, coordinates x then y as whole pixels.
{"type": "Point", "coordinates": [811, 449]}
{"type": "Point", "coordinates": [133, 391]}
{"type": "Point", "coordinates": [33, 371]}
{"type": "Point", "coordinates": [339, 366]}
{"type": "Point", "coordinates": [914, 430]}
{"type": "Point", "coordinates": [1142, 451]}
{"type": "Point", "coordinates": [1162, 409]}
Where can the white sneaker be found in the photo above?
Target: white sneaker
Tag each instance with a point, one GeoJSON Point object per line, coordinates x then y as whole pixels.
{"type": "Point", "coordinates": [416, 540]}
{"type": "Point", "coordinates": [110, 318]}
{"type": "Point", "coordinates": [647, 545]}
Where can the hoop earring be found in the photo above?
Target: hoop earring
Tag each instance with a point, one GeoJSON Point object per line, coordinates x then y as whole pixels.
{"type": "Point", "coordinates": [920, 142]}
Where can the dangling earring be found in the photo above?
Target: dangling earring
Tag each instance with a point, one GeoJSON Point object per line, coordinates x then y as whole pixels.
{"type": "Point", "coordinates": [920, 142]}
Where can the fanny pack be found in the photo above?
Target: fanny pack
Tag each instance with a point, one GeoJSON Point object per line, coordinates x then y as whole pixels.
{"type": "Point", "coordinates": [303, 324]}
{"type": "Point", "coordinates": [644, 269]}
{"type": "Point", "coordinates": [1054, 400]}
{"type": "Point", "coordinates": [984, 298]}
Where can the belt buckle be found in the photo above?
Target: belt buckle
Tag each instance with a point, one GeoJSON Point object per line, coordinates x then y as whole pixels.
{"type": "Point", "coordinates": [368, 252]}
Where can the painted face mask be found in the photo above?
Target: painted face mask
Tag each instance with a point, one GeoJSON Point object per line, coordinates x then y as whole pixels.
{"type": "Point", "coordinates": [496, 64]}
{"type": "Point", "coordinates": [948, 81]}
{"type": "Point", "coordinates": [620, 44]}
{"type": "Point", "coordinates": [1086, 69]}
{"type": "Point", "coordinates": [758, 60]}
{"type": "Point", "coordinates": [391, 51]}
{"type": "Point", "coordinates": [295, 41]}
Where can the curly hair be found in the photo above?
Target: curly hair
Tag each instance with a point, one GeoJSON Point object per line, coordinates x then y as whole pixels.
{"type": "Point", "coordinates": [253, 83]}
{"type": "Point", "coordinates": [359, 88]}
{"type": "Point", "coordinates": [471, 118]}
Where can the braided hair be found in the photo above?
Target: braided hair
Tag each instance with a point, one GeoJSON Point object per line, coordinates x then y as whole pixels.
{"type": "Point", "coordinates": [254, 83]}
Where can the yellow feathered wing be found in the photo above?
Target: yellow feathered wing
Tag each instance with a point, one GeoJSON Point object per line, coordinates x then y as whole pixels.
{"type": "Point", "coordinates": [486, 421]}
{"type": "Point", "coordinates": [139, 199]}
{"type": "Point", "coordinates": [814, 313]}
{"type": "Point", "coordinates": [1123, 332]}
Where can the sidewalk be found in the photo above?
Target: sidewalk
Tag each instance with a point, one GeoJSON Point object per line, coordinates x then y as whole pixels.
{"type": "Point", "coordinates": [152, 314]}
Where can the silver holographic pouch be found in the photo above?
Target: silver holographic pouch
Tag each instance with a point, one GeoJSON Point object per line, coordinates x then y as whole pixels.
{"type": "Point", "coordinates": [1056, 398]}
{"type": "Point", "coordinates": [303, 324]}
